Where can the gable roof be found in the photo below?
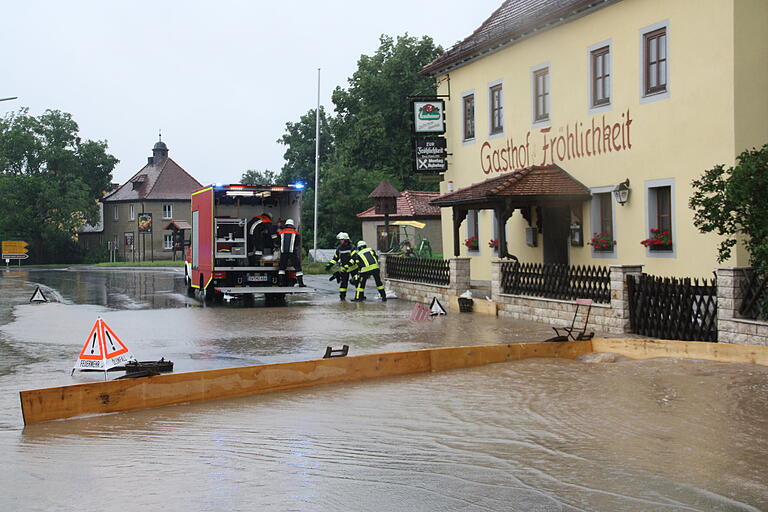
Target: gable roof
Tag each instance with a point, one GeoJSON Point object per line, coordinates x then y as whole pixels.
{"type": "Point", "coordinates": [410, 204]}
{"type": "Point", "coordinates": [525, 186]}
{"type": "Point", "coordinates": [513, 21]}
{"type": "Point", "coordinates": [163, 181]}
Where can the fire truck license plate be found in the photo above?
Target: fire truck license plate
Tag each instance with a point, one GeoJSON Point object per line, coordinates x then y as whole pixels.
{"type": "Point", "coordinates": [258, 278]}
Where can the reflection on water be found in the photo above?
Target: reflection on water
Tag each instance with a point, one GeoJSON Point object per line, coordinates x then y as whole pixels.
{"type": "Point", "coordinates": [536, 435]}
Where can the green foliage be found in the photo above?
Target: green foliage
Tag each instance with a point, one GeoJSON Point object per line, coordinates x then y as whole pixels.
{"type": "Point", "coordinates": [299, 156]}
{"type": "Point", "coordinates": [265, 177]}
{"type": "Point", "coordinates": [732, 201]}
{"type": "Point", "coordinates": [50, 181]}
{"type": "Point", "coordinates": [373, 127]}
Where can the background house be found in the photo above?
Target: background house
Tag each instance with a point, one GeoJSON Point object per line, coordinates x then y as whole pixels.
{"type": "Point", "coordinates": [136, 214]}
{"type": "Point", "coordinates": [412, 205]}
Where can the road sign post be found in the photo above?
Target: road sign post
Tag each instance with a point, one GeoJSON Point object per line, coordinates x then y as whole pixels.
{"type": "Point", "coordinates": [14, 250]}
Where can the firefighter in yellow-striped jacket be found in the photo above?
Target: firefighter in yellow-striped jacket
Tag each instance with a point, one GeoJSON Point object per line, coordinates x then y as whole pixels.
{"type": "Point", "coordinates": [343, 259]}
{"type": "Point", "coordinates": [367, 261]}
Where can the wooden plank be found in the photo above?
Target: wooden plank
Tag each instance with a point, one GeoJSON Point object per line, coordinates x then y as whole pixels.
{"type": "Point", "coordinates": [646, 349]}
{"type": "Point", "coordinates": [131, 394]}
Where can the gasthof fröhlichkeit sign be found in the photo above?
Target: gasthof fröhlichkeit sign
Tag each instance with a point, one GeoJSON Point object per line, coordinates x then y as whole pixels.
{"type": "Point", "coordinates": [14, 250]}
{"type": "Point", "coordinates": [428, 116]}
{"type": "Point", "coordinates": [429, 155]}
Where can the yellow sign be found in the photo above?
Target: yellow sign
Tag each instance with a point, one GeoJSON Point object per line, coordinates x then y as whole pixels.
{"type": "Point", "coordinates": [14, 247]}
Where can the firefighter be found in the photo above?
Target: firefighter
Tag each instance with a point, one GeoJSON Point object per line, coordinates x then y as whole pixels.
{"type": "Point", "coordinates": [368, 265]}
{"type": "Point", "coordinates": [290, 249]}
{"type": "Point", "coordinates": [343, 258]}
{"type": "Point", "coordinates": [262, 234]}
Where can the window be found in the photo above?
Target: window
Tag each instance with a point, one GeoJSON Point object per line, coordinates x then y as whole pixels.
{"type": "Point", "coordinates": [167, 211]}
{"type": "Point", "coordinates": [131, 212]}
{"type": "Point", "coordinates": [541, 95]}
{"type": "Point", "coordinates": [469, 117]}
{"type": "Point", "coordinates": [655, 61]}
{"type": "Point", "coordinates": [473, 234]}
{"type": "Point", "coordinates": [168, 242]}
{"type": "Point", "coordinates": [114, 213]}
{"type": "Point", "coordinates": [601, 211]}
{"type": "Point", "coordinates": [660, 197]}
{"type": "Point", "coordinates": [601, 76]}
{"type": "Point", "coordinates": [497, 110]}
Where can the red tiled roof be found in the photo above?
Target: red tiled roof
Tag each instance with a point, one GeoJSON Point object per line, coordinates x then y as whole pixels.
{"type": "Point", "coordinates": [513, 21]}
{"type": "Point", "coordinates": [165, 181]}
{"type": "Point", "coordinates": [527, 185]}
{"type": "Point", "coordinates": [410, 204]}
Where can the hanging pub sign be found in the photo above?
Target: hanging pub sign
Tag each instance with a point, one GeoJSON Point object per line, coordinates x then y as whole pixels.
{"type": "Point", "coordinates": [145, 222]}
{"type": "Point", "coordinates": [428, 116]}
{"type": "Point", "coordinates": [429, 155]}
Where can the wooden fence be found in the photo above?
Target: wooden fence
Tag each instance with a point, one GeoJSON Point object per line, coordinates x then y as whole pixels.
{"type": "Point", "coordinates": [673, 309]}
{"type": "Point", "coordinates": [420, 270]}
{"type": "Point", "coordinates": [555, 281]}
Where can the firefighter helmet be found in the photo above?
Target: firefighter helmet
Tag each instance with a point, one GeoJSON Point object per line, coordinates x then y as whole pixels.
{"type": "Point", "coordinates": [289, 222]}
{"type": "Point", "coordinates": [342, 236]}
{"type": "Point", "coordinates": [361, 244]}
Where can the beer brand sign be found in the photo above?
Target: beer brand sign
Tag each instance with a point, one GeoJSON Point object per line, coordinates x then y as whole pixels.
{"type": "Point", "coordinates": [428, 116]}
{"type": "Point", "coordinates": [573, 141]}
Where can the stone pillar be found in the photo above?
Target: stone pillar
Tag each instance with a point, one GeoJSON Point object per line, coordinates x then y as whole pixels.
{"type": "Point", "coordinates": [496, 279]}
{"type": "Point", "coordinates": [620, 296]}
{"type": "Point", "coordinates": [460, 275]}
{"type": "Point", "coordinates": [383, 265]}
{"type": "Point", "coordinates": [729, 297]}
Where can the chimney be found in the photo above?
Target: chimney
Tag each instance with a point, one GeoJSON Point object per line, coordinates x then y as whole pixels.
{"type": "Point", "coordinates": [150, 159]}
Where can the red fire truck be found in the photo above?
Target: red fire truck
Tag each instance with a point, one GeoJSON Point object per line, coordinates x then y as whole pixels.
{"type": "Point", "coordinates": [228, 255]}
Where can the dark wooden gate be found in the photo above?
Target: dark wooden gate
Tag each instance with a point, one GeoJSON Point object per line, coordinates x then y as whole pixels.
{"type": "Point", "coordinates": [556, 221]}
{"type": "Point", "coordinates": [673, 309]}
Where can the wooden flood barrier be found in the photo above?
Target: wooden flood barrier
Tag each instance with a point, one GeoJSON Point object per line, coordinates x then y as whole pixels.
{"type": "Point", "coordinates": [47, 404]}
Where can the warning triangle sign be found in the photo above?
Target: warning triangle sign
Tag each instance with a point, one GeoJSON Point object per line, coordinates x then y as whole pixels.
{"type": "Point", "coordinates": [436, 308]}
{"type": "Point", "coordinates": [103, 349]}
{"type": "Point", "coordinates": [38, 296]}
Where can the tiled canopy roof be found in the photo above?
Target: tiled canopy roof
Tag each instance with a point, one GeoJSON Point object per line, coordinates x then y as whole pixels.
{"type": "Point", "coordinates": [410, 203]}
{"type": "Point", "coordinates": [513, 21]}
{"type": "Point", "coordinates": [164, 181]}
{"type": "Point", "coordinates": [524, 186]}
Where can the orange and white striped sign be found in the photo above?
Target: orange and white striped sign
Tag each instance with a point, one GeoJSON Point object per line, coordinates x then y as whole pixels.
{"type": "Point", "coordinates": [102, 350]}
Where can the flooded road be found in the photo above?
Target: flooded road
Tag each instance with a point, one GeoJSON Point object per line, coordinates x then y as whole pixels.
{"type": "Point", "coordinates": [533, 435]}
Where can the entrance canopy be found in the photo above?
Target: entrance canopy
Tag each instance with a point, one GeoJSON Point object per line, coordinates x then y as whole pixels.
{"type": "Point", "coordinates": [532, 187]}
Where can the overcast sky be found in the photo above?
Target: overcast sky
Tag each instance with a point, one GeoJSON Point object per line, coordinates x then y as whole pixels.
{"type": "Point", "coordinates": [220, 79]}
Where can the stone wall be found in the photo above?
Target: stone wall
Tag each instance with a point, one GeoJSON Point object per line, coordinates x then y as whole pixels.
{"type": "Point", "coordinates": [731, 328]}
{"type": "Point", "coordinates": [610, 318]}
{"type": "Point", "coordinates": [423, 292]}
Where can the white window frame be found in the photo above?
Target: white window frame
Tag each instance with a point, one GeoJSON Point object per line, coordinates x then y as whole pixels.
{"type": "Point", "coordinates": [595, 221]}
{"type": "Point", "coordinates": [468, 140]}
{"type": "Point", "coordinates": [491, 85]}
{"type": "Point", "coordinates": [168, 242]}
{"type": "Point", "coordinates": [650, 215]}
{"type": "Point", "coordinates": [590, 82]}
{"type": "Point", "coordinates": [650, 98]}
{"type": "Point", "coordinates": [548, 121]}
{"type": "Point", "coordinates": [131, 212]}
{"type": "Point", "coordinates": [473, 229]}
{"type": "Point", "coordinates": [115, 214]}
{"type": "Point", "coordinates": [170, 211]}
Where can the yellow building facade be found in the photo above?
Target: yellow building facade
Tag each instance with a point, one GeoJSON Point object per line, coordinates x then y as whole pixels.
{"type": "Point", "coordinates": [645, 93]}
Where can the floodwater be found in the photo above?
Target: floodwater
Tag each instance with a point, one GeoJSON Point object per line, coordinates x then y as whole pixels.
{"type": "Point", "coordinates": [532, 435]}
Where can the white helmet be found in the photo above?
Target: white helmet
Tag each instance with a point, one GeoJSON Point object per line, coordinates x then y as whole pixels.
{"type": "Point", "coordinates": [361, 244]}
{"type": "Point", "coordinates": [289, 222]}
{"type": "Point", "coordinates": [342, 236]}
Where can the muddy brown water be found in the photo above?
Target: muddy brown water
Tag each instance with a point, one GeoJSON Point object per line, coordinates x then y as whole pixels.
{"type": "Point", "coordinates": [533, 435]}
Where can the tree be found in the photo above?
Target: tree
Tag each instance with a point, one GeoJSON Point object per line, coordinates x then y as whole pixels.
{"type": "Point", "coordinates": [50, 181]}
{"type": "Point", "coordinates": [373, 126]}
{"type": "Point", "coordinates": [731, 201]}
{"type": "Point", "coordinates": [265, 177]}
{"type": "Point", "coordinates": [299, 156]}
